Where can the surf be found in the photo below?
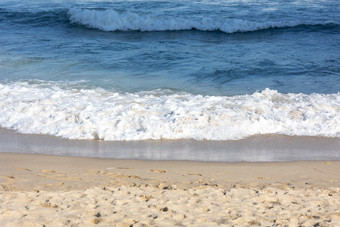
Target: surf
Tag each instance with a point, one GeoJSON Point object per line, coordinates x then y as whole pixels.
{"type": "Point", "coordinates": [66, 111]}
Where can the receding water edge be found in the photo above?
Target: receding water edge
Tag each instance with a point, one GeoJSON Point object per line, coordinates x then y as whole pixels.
{"type": "Point", "coordinates": [262, 148]}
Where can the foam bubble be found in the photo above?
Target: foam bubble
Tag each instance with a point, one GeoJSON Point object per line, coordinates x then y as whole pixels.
{"type": "Point", "coordinates": [47, 108]}
{"type": "Point", "coordinates": [111, 20]}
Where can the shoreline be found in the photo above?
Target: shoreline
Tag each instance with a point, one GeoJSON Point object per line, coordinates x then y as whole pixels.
{"type": "Point", "coordinates": [262, 148]}
{"type": "Point", "coordinates": [38, 190]}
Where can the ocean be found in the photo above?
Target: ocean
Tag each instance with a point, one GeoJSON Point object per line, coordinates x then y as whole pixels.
{"type": "Point", "coordinates": [165, 72]}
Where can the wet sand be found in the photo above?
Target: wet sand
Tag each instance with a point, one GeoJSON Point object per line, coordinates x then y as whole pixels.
{"type": "Point", "coordinates": [41, 190]}
{"type": "Point", "coordinates": [261, 148]}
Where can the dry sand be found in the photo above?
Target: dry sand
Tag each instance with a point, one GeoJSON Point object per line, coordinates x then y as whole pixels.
{"type": "Point", "coordinates": [41, 190]}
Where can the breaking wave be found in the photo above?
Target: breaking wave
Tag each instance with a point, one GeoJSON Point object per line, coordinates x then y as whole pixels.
{"type": "Point", "coordinates": [73, 113]}
{"type": "Point", "coordinates": [111, 20]}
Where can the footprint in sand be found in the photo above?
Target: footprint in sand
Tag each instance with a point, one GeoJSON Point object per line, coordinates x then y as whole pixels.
{"type": "Point", "coordinates": [47, 171]}
{"type": "Point", "coordinates": [157, 171]}
{"type": "Point", "coordinates": [194, 174]}
{"type": "Point", "coordinates": [19, 168]}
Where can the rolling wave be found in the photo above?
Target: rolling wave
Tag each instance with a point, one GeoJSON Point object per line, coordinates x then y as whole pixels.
{"type": "Point", "coordinates": [111, 20]}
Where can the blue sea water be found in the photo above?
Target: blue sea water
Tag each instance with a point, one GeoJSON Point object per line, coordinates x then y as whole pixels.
{"type": "Point", "coordinates": [189, 69]}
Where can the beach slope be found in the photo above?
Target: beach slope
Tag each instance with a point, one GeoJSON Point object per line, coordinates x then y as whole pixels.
{"type": "Point", "coordinates": [41, 190]}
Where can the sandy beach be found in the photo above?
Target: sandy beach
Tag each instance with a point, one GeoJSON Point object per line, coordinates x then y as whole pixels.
{"type": "Point", "coordinates": [169, 113]}
{"type": "Point", "coordinates": [41, 190]}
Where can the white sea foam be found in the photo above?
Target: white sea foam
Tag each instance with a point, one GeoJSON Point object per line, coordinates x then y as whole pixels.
{"type": "Point", "coordinates": [47, 108]}
{"type": "Point", "coordinates": [111, 20]}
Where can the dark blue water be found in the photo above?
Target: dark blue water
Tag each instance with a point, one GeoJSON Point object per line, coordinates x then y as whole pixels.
{"type": "Point", "coordinates": [289, 46]}
{"type": "Point", "coordinates": [99, 53]}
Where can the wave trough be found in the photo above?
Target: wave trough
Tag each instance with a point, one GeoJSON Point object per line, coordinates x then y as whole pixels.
{"type": "Point", "coordinates": [47, 108]}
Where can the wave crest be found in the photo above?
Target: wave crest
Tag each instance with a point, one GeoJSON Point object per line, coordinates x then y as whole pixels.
{"type": "Point", "coordinates": [111, 20]}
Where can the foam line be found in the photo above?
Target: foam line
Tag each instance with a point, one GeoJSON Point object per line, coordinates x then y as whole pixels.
{"type": "Point", "coordinates": [46, 108]}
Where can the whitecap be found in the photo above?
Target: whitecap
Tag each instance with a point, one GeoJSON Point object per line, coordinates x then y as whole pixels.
{"type": "Point", "coordinates": [111, 20]}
